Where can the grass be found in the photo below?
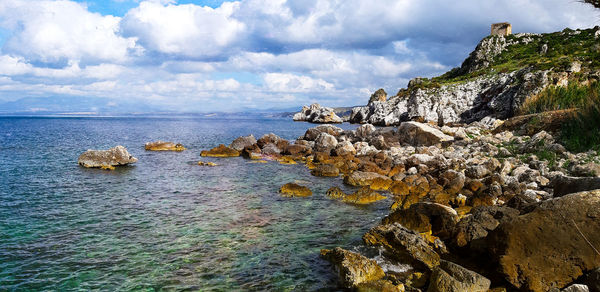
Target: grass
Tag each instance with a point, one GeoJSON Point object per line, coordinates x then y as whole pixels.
{"type": "Point", "coordinates": [560, 98]}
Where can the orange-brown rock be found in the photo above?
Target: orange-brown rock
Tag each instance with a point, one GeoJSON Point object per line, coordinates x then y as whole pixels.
{"type": "Point", "coordinates": [360, 178]}
{"type": "Point", "coordinates": [163, 146]}
{"type": "Point", "coordinates": [352, 268]}
{"type": "Point", "coordinates": [295, 190]}
{"type": "Point", "coordinates": [220, 151]}
{"type": "Point", "coordinates": [424, 217]}
{"type": "Point", "coordinates": [328, 170]}
{"type": "Point", "coordinates": [551, 246]}
{"type": "Point", "coordinates": [363, 196]}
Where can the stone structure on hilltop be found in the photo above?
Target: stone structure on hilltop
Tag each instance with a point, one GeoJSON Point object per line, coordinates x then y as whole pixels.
{"type": "Point", "coordinates": [503, 29]}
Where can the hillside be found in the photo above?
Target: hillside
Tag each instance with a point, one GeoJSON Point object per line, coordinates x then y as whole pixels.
{"type": "Point", "coordinates": [494, 82]}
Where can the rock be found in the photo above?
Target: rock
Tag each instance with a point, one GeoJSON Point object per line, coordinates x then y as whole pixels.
{"type": "Point", "coordinates": [453, 181]}
{"type": "Point", "coordinates": [163, 146]}
{"type": "Point", "coordinates": [363, 196]}
{"type": "Point", "coordinates": [418, 134]}
{"type": "Point", "coordinates": [220, 151]}
{"type": "Point", "coordinates": [480, 222]}
{"type": "Point", "coordinates": [576, 288]}
{"type": "Point", "coordinates": [550, 246]}
{"type": "Point", "coordinates": [325, 142]}
{"type": "Point", "coordinates": [297, 149]}
{"type": "Point", "coordinates": [380, 286]}
{"type": "Point", "coordinates": [353, 269]}
{"type": "Point", "coordinates": [211, 164]}
{"type": "Point", "coordinates": [328, 170]}
{"type": "Point", "coordinates": [365, 131]}
{"type": "Point", "coordinates": [425, 217]}
{"type": "Point", "coordinates": [360, 178]}
{"type": "Point", "coordinates": [317, 114]}
{"type": "Point", "coordinates": [270, 150]}
{"type": "Point", "coordinates": [312, 133]}
{"type": "Point", "coordinates": [335, 193]}
{"type": "Point", "coordinates": [242, 142]}
{"type": "Point", "coordinates": [106, 158]}
{"type": "Point", "coordinates": [379, 95]}
{"type": "Point", "coordinates": [593, 280]}
{"type": "Point", "coordinates": [268, 139]}
{"type": "Point", "coordinates": [345, 148]}
{"type": "Point", "coordinates": [295, 190]}
{"type": "Point", "coordinates": [567, 185]}
{"type": "Point", "coordinates": [403, 244]}
{"type": "Point", "coordinates": [476, 171]}
{"type": "Point", "coordinates": [587, 169]}
{"type": "Point", "coordinates": [450, 277]}
{"type": "Point", "coordinates": [364, 149]}
{"type": "Point", "coordinates": [252, 152]}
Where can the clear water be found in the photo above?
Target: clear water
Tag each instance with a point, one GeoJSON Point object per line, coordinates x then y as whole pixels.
{"type": "Point", "coordinates": [164, 223]}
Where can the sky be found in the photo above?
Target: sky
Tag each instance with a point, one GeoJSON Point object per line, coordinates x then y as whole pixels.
{"type": "Point", "coordinates": [203, 56]}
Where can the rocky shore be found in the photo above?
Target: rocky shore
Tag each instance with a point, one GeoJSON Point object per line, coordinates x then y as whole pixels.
{"type": "Point", "coordinates": [471, 208]}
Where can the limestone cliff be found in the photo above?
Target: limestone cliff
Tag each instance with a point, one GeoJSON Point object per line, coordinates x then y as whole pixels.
{"type": "Point", "coordinates": [493, 82]}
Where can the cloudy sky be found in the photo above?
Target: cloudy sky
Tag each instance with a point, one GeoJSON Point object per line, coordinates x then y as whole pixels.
{"type": "Point", "coordinates": [217, 55]}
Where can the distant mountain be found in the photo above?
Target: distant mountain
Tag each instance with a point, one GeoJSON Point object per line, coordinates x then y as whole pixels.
{"type": "Point", "coordinates": [73, 104]}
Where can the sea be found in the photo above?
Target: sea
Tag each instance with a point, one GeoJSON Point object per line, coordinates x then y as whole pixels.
{"type": "Point", "coordinates": [164, 223]}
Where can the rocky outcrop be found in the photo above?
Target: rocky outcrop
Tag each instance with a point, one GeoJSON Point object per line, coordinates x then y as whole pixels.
{"type": "Point", "coordinates": [220, 151]}
{"type": "Point", "coordinates": [379, 95]}
{"type": "Point", "coordinates": [551, 246]}
{"type": "Point", "coordinates": [294, 190]}
{"type": "Point", "coordinates": [242, 142]}
{"type": "Point", "coordinates": [353, 269]}
{"type": "Point", "coordinates": [564, 185]}
{"type": "Point", "coordinates": [107, 159]}
{"type": "Point", "coordinates": [317, 114]}
{"type": "Point", "coordinates": [450, 277]}
{"type": "Point", "coordinates": [163, 146]}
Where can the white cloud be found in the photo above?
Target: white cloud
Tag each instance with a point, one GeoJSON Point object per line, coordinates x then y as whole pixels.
{"type": "Point", "coordinates": [53, 31]}
{"type": "Point", "coordinates": [281, 82]}
{"type": "Point", "coordinates": [187, 30]}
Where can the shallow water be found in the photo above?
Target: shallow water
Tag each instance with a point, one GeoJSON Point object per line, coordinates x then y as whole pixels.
{"type": "Point", "coordinates": [164, 223]}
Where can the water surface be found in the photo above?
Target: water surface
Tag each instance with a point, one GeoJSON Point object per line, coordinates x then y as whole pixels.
{"type": "Point", "coordinates": [164, 223]}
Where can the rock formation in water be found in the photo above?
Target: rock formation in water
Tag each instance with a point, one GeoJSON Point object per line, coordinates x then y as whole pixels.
{"type": "Point", "coordinates": [317, 114]}
{"type": "Point", "coordinates": [163, 146]}
{"type": "Point", "coordinates": [107, 159]}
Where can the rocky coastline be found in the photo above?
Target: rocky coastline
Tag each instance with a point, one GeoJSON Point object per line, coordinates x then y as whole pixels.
{"type": "Point", "coordinates": [470, 208]}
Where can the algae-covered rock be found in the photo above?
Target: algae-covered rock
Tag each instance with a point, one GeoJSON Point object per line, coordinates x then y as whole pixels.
{"type": "Point", "coordinates": [163, 146]}
{"type": "Point", "coordinates": [295, 190]}
{"type": "Point", "coordinates": [551, 246]}
{"type": "Point", "coordinates": [363, 196]}
{"type": "Point", "coordinates": [352, 268]}
{"type": "Point", "coordinates": [450, 277]}
{"type": "Point", "coordinates": [211, 164]}
{"type": "Point", "coordinates": [328, 170]}
{"type": "Point", "coordinates": [106, 159]}
{"type": "Point", "coordinates": [220, 151]}
{"type": "Point", "coordinates": [425, 217]}
{"type": "Point", "coordinates": [361, 178]}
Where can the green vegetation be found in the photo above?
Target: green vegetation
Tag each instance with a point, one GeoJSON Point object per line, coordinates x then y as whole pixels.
{"type": "Point", "coordinates": [582, 132]}
{"type": "Point", "coordinates": [551, 51]}
{"type": "Point", "coordinates": [560, 98]}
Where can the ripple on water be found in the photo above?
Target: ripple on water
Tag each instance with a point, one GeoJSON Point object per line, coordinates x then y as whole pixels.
{"type": "Point", "coordinates": [165, 223]}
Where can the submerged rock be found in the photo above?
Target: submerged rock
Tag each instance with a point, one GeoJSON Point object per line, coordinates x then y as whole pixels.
{"type": "Point", "coordinates": [450, 277]}
{"type": "Point", "coordinates": [211, 164]}
{"type": "Point", "coordinates": [353, 269]}
{"type": "Point", "coordinates": [295, 190]}
{"type": "Point", "coordinates": [163, 146]}
{"type": "Point", "coordinates": [106, 158]}
{"type": "Point", "coordinates": [220, 151]}
{"type": "Point", "coordinates": [551, 246]}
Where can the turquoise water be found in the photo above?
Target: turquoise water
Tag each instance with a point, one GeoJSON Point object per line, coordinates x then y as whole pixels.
{"type": "Point", "coordinates": [164, 223]}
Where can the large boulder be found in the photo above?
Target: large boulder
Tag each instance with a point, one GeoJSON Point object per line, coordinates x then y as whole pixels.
{"type": "Point", "coordinates": [312, 133]}
{"type": "Point", "coordinates": [163, 146]}
{"type": "Point", "coordinates": [325, 142]}
{"type": "Point", "coordinates": [450, 277]}
{"type": "Point", "coordinates": [481, 221]}
{"type": "Point", "coordinates": [242, 142]}
{"type": "Point", "coordinates": [419, 134]}
{"type": "Point", "coordinates": [106, 158]}
{"type": "Point", "coordinates": [567, 185]}
{"type": "Point", "coordinates": [551, 246]}
{"type": "Point", "coordinates": [352, 268]}
{"type": "Point", "coordinates": [220, 151]}
{"type": "Point", "coordinates": [317, 114]}
{"type": "Point", "coordinates": [362, 196]}
{"type": "Point", "coordinates": [328, 170]}
{"type": "Point", "coordinates": [426, 217]}
{"type": "Point", "coordinates": [403, 244]}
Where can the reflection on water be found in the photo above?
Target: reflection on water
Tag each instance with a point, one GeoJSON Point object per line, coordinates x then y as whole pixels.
{"type": "Point", "coordinates": [164, 223]}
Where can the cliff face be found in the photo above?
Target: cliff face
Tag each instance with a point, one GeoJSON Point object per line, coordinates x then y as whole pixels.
{"type": "Point", "coordinates": [494, 81]}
